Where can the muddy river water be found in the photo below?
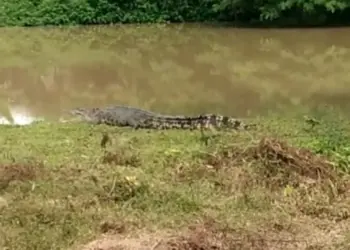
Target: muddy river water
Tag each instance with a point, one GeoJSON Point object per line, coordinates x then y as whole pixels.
{"type": "Point", "coordinates": [175, 69]}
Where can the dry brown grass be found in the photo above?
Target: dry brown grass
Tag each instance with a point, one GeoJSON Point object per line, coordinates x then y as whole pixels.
{"type": "Point", "coordinates": [209, 236]}
{"type": "Point", "coordinates": [280, 163]}
{"type": "Point", "coordinates": [19, 172]}
{"type": "Point", "coordinates": [279, 157]}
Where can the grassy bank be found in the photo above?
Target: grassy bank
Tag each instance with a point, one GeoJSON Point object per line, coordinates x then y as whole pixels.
{"type": "Point", "coordinates": [60, 190]}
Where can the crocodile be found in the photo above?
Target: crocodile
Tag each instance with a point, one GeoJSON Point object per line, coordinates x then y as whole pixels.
{"type": "Point", "coordinates": [138, 118]}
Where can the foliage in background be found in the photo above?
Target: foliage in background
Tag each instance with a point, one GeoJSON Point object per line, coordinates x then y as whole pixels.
{"type": "Point", "coordinates": [64, 12]}
{"type": "Point", "coordinates": [289, 12]}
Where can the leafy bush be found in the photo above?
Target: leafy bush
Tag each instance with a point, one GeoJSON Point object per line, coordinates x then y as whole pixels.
{"type": "Point", "coordinates": [63, 12]}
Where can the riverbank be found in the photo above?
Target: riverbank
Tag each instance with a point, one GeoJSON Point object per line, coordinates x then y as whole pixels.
{"type": "Point", "coordinates": [61, 190]}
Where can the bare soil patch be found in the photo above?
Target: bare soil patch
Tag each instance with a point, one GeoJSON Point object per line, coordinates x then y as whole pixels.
{"type": "Point", "coordinates": [213, 236]}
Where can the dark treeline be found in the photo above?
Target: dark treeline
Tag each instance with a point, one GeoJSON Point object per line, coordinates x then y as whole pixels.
{"type": "Point", "coordinates": [265, 12]}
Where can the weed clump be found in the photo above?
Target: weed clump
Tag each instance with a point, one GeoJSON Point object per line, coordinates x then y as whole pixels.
{"type": "Point", "coordinates": [277, 162]}
{"type": "Point", "coordinates": [108, 226]}
{"type": "Point", "coordinates": [121, 158]}
{"type": "Point", "coordinates": [278, 157]}
{"type": "Point", "coordinates": [123, 189]}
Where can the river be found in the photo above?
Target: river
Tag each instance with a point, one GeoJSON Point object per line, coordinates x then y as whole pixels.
{"type": "Point", "coordinates": [175, 69]}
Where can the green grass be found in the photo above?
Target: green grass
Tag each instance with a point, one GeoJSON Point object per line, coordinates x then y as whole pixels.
{"type": "Point", "coordinates": [60, 189]}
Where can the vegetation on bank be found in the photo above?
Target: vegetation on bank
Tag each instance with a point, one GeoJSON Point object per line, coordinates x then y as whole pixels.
{"type": "Point", "coordinates": [60, 189]}
{"type": "Point", "coordinates": [63, 12]}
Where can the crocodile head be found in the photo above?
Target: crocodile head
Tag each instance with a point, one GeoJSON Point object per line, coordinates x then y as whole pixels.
{"type": "Point", "coordinates": [86, 114]}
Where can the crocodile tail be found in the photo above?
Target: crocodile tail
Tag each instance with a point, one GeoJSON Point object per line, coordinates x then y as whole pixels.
{"type": "Point", "coordinates": [172, 122]}
{"type": "Point", "coordinates": [221, 121]}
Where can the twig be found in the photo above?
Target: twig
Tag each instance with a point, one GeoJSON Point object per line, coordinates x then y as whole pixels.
{"type": "Point", "coordinates": [113, 186]}
{"type": "Point", "coordinates": [156, 244]}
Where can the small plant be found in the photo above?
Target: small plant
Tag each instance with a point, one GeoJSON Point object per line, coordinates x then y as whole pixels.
{"type": "Point", "coordinates": [122, 189]}
{"type": "Point", "coordinates": [332, 138]}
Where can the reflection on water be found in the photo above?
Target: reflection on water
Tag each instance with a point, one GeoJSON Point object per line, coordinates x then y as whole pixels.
{"type": "Point", "coordinates": [19, 116]}
{"type": "Point", "coordinates": [4, 121]}
{"type": "Point", "coordinates": [177, 69]}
